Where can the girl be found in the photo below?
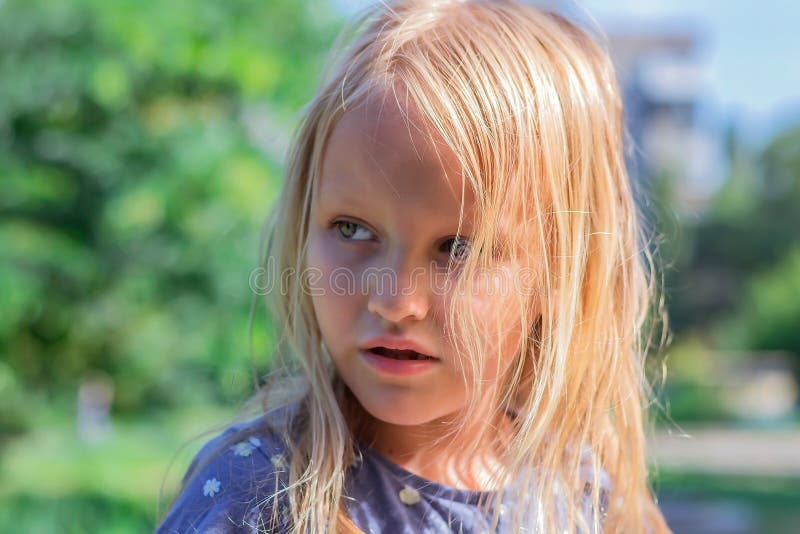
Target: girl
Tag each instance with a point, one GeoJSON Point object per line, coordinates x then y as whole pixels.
{"type": "Point", "coordinates": [461, 285]}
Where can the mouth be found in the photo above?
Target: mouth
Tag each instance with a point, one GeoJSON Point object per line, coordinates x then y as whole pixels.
{"type": "Point", "coordinates": [397, 354]}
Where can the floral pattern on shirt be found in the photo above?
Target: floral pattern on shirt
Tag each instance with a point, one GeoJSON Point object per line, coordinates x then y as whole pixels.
{"type": "Point", "coordinates": [211, 487]}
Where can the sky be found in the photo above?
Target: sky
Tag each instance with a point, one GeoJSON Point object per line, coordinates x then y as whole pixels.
{"type": "Point", "coordinates": [751, 49]}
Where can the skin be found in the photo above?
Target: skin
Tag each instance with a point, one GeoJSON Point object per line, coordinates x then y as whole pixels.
{"type": "Point", "coordinates": [385, 176]}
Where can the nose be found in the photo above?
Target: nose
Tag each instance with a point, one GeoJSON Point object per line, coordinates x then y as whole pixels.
{"type": "Point", "coordinates": [399, 291]}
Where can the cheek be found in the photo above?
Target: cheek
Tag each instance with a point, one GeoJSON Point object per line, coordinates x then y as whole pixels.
{"type": "Point", "coordinates": [334, 294]}
{"type": "Point", "coordinates": [495, 305]}
{"type": "Point", "coordinates": [496, 300]}
{"type": "Point", "coordinates": [326, 282]}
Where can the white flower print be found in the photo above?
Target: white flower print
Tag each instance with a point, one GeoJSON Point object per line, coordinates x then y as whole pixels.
{"type": "Point", "coordinates": [409, 495]}
{"type": "Point", "coordinates": [278, 461]}
{"type": "Point", "coordinates": [211, 487]}
{"type": "Point", "coordinates": [255, 441]}
{"type": "Point", "coordinates": [243, 448]}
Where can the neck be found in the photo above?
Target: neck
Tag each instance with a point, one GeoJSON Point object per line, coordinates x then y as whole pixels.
{"type": "Point", "coordinates": [458, 462]}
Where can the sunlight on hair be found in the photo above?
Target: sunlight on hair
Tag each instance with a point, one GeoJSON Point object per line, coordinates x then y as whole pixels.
{"type": "Point", "coordinates": [529, 104]}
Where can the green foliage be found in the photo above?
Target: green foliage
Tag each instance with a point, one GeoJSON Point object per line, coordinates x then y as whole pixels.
{"type": "Point", "coordinates": [751, 228]}
{"type": "Point", "coordinates": [733, 279]}
{"type": "Point", "coordinates": [74, 514]}
{"type": "Point", "coordinates": [689, 402]}
{"type": "Point", "coordinates": [770, 313]}
{"type": "Point", "coordinates": [134, 184]}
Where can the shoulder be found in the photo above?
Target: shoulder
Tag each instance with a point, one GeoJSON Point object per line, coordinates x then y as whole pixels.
{"type": "Point", "coordinates": [233, 483]}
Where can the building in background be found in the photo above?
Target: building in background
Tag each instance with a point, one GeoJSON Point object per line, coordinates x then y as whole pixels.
{"type": "Point", "coordinates": [667, 92]}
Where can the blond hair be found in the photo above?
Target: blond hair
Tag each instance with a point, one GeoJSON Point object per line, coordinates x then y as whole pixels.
{"type": "Point", "coordinates": [530, 104]}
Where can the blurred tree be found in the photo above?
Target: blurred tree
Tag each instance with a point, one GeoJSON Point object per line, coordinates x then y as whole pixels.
{"type": "Point", "coordinates": [751, 227]}
{"type": "Point", "coordinates": [769, 313]}
{"type": "Point", "coordinates": [140, 145]}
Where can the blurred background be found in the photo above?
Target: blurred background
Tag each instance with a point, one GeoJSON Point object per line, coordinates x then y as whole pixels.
{"type": "Point", "coordinates": [141, 146]}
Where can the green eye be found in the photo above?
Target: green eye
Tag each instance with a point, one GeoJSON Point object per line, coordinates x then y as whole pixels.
{"type": "Point", "coordinates": [349, 230]}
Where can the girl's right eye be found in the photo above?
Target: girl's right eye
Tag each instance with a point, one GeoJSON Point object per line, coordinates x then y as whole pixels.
{"type": "Point", "coordinates": [349, 230]}
{"type": "Point", "coordinates": [459, 249]}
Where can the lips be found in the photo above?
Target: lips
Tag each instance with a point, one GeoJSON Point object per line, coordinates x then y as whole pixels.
{"type": "Point", "coordinates": [400, 354]}
{"type": "Point", "coordinates": [398, 348]}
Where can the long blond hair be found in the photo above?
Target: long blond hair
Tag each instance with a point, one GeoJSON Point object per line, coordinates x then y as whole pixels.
{"type": "Point", "coordinates": [530, 104]}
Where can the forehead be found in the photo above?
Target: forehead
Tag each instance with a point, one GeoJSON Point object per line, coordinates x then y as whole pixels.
{"type": "Point", "coordinates": [379, 151]}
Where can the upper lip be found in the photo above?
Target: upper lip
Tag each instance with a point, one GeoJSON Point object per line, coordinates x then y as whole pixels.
{"type": "Point", "coordinates": [397, 343]}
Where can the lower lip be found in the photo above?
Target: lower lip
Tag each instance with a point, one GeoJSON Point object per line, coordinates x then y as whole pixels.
{"type": "Point", "coordinates": [397, 367]}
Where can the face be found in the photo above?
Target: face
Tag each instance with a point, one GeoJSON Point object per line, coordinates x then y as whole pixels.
{"type": "Point", "coordinates": [387, 208]}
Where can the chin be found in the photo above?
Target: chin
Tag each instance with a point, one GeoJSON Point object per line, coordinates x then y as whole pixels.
{"type": "Point", "coordinates": [397, 411]}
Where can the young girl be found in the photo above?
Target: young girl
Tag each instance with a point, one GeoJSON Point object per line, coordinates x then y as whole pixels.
{"type": "Point", "coordinates": [460, 282]}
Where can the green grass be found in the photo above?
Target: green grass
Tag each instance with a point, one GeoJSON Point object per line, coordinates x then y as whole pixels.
{"type": "Point", "coordinates": [53, 482]}
{"type": "Point", "coordinates": [72, 514]}
{"type": "Point", "coordinates": [766, 491]}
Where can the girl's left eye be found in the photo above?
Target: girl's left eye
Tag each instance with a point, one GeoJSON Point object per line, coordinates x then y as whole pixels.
{"type": "Point", "coordinates": [349, 230]}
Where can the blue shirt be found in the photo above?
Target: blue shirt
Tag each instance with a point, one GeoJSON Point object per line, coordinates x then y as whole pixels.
{"type": "Point", "coordinates": [235, 492]}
